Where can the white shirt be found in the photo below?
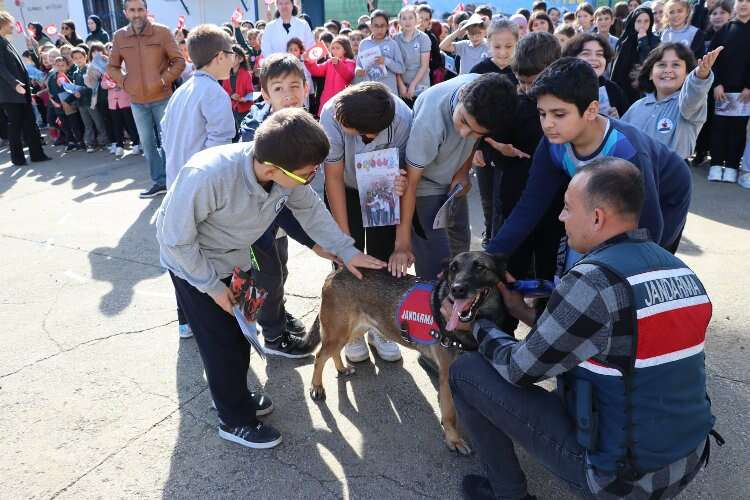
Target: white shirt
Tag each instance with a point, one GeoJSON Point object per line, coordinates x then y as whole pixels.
{"type": "Point", "coordinates": [275, 36]}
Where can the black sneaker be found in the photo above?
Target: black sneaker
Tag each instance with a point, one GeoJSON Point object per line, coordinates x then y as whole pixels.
{"type": "Point", "coordinates": [71, 147]}
{"type": "Point", "coordinates": [155, 191]}
{"type": "Point", "coordinates": [263, 404]}
{"type": "Point", "coordinates": [258, 436]}
{"type": "Point", "coordinates": [293, 325]}
{"type": "Point", "coordinates": [288, 346]}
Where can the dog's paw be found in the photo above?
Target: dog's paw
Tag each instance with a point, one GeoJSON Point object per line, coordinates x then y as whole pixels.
{"type": "Point", "coordinates": [317, 393]}
{"type": "Point", "coordinates": [458, 445]}
{"type": "Point", "coordinates": [347, 371]}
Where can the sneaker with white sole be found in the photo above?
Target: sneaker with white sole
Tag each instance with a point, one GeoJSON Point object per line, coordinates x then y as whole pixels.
{"type": "Point", "coordinates": [715, 173]}
{"type": "Point", "coordinates": [119, 152]}
{"type": "Point", "coordinates": [112, 148]}
{"type": "Point", "coordinates": [263, 404]}
{"type": "Point", "coordinates": [387, 350]}
{"type": "Point", "coordinates": [185, 331]}
{"type": "Point", "coordinates": [137, 150]}
{"type": "Point", "coordinates": [90, 149]}
{"type": "Point", "coordinates": [744, 180]}
{"type": "Point", "coordinates": [259, 436]}
{"type": "Point", "coordinates": [729, 176]}
{"type": "Point", "coordinates": [356, 350]}
{"type": "Point", "coordinates": [289, 346]}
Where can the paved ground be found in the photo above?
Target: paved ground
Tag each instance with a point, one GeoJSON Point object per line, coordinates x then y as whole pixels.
{"type": "Point", "coordinates": [99, 398]}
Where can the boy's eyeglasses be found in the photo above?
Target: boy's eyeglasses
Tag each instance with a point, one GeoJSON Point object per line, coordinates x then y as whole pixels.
{"type": "Point", "coordinates": [294, 176]}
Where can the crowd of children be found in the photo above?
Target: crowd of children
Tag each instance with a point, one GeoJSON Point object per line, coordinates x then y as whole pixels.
{"type": "Point", "coordinates": [524, 100]}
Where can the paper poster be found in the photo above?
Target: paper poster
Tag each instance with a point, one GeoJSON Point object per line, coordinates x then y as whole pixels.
{"type": "Point", "coordinates": [732, 106]}
{"type": "Point", "coordinates": [72, 88]}
{"type": "Point", "coordinates": [367, 61]}
{"type": "Point", "coordinates": [99, 63]}
{"type": "Point", "coordinates": [604, 105]}
{"type": "Point", "coordinates": [376, 172]}
{"type": "Point", "coordinates": [450, 64]}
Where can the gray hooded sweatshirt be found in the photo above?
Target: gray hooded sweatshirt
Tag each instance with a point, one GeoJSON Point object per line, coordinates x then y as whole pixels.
{"type": "Point", "coordinates": [216, 210]}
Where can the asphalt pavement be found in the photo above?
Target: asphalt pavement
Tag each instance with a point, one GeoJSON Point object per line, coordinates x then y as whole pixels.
{"type": "Point", "coordinates": [99, 398]}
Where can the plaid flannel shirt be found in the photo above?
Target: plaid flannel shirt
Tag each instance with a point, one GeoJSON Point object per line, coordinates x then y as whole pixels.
{"type": "Point", "coordinates": [587, 316]}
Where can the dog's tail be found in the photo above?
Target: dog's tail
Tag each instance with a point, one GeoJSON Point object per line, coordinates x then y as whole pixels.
{"type": "Point", "coordinates": [312, 337]}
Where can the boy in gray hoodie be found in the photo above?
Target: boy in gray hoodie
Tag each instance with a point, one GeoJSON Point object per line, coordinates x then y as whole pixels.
{"type": "Point", "coordinates": [222, 200]}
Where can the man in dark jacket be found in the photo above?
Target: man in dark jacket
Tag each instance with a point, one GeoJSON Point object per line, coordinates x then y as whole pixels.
{"type": "Point", "coordinates": [15, 99]}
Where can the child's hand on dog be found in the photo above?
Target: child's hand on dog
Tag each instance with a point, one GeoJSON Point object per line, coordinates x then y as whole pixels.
{"type": "Point", "coordinates": [365, 262]}
{"type": "Point", "coordinates": [226, 300]}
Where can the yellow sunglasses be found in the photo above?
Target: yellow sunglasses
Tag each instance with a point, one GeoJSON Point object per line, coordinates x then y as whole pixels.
{"type": "Point", "coordinates": [294, 176]}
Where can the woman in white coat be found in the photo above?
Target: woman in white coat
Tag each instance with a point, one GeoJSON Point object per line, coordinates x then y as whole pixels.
{"type": "Point", "coordinates": [286, 26]}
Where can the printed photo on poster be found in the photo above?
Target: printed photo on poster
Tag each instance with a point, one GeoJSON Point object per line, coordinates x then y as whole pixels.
{"type": "Point", "coordinates": [376, 172]}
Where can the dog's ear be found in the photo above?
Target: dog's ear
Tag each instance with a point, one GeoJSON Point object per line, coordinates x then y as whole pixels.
{"type": "Point", "coordinates": [501, 264]}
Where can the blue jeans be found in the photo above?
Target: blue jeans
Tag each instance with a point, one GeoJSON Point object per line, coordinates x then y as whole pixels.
{"type": "Point", "coordinates": [495, 414]}
{"type": "Point", "coordinates": [431, 252]}
{"type": "Point", "coordinates": [148, 122]}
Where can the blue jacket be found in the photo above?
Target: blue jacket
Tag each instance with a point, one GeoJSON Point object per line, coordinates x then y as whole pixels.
{"type": "Point", "coordinates": [666, 176]}
{"type": "Point", "coordinates": [651, 409]}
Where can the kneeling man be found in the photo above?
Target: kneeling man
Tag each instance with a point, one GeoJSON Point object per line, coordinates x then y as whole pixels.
{"type": "Point", "coordinates": [623, 333]}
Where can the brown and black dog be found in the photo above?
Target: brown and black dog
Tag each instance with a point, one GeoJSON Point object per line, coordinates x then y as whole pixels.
{"type": "Point", "coordinates": [349, 307]}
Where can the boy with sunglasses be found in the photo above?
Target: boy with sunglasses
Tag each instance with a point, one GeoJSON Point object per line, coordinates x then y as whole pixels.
{"type": "Point", "coordinates": [199, 114]}
{"type": "Point", "coordinates": [222, 201]}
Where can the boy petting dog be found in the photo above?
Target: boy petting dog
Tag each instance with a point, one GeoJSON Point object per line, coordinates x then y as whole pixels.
{"type": "Point", "coordinates": [222, 200]}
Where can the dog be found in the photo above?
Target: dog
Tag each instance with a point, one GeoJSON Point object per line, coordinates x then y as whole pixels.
{"type": "Point", "coordinates": [349, 307]}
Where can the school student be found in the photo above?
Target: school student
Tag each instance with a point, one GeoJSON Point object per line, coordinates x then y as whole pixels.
{"type": "Point", "coordinates": [575, 134]}
{"type": "Point", "coordinates": [730, 132]}
{"type": "Point", "coordinates": [95, 133]}
{"type": "Point", "coordinates": [337, 71]}
{"type": "Point", "coordinates": [283, 85]}
{"type": "Point", "coordinates": [502, 38]}
{"type": "Point", "coordinates": [363, 118]}
{"type": "Point", "coordinates": [389, 63]}
{"type": "Point", "coordinates": [510, 154]}
{"type": "Point", "coordinates": [199, 114]}
{"type": "Point", "coordinates": [679, 28]}
{"type": "Point", "coordinates": [594, 49]}
{"type": "Point", "coordinates": [64, 105]}
{"type": "Point", "coordinates": [675, 106]}
{"type": "Point", "coordinates": [239, 85]}
{"type": "Point", "coordinates": [604, 18]}
{"type": "Point", "coordinates": [220, 203]}
{"type": "Point", "coordinates": [448, 120]}
{"type": "Point", "coordinates": [471, 51]}
{"type": "Point", "coordinates": [634, 46]}
{"type": "Point", "coordinates": [415, 51]}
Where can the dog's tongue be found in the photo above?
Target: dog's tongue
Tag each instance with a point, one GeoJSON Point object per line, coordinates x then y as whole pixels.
{"type": "Point", "coordinates": [458, 306]}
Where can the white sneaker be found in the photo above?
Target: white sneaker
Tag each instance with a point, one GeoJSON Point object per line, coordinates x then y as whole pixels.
{"type": "Point", "coordinates": [356, 351]}
{"type": "Point", "coordinates": [715, 173]}
{"type": "Point", "coordinates": [90, 149]}
{"type": "Point", "coordinates": [137, 150]}
{"type": "Point", "coordinates": [730, 175]}
{"type": "Point", "coordinates": [112, 148]}
{"type": "Point", "coordinates": [185, 331]}
{"type": "Point", "coordinates": [387, 350]}
{"type": "Point", "coordinates": [744, 180]}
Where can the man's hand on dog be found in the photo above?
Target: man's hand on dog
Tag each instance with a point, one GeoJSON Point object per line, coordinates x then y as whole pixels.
{"type": "Point", "coordinates": [365, 262]}
{"type": "Point", "coordinates": [226, 300]}
{"type": "Point", "coordinates": [515, 304]}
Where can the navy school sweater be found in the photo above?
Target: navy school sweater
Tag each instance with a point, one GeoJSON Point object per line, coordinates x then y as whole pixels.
{"type": "Point", "coordinates": [666, 176]}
